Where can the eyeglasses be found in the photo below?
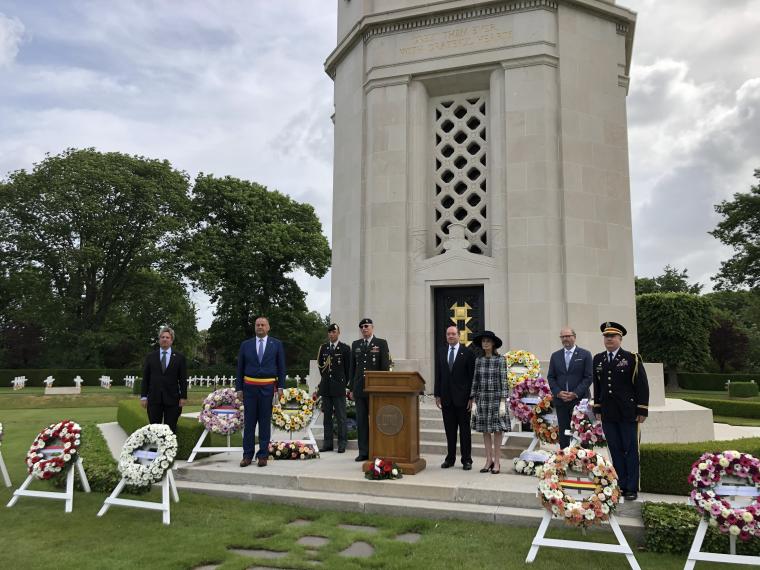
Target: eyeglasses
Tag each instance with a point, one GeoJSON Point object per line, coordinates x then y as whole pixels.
{"type": "Point", "coordinates": [567, 336]}
{"type": "Point", "coordinates": [364, 326]}
{"type": "Point", "coordinates": [609, 335]}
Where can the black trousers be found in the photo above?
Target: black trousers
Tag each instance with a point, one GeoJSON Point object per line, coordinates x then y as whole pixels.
{"type": "Point", "coordinates": [457, 418]}
{"type": "Point", "coordinates": [623, 442]}
{"type": "Point", "coordinates": [334, 406]}
{"type": "Point", "coordinates": [564, 413]}
{"type": "Point", "coordinates": [362, 425]}
{"type": "Point", "coordinates": [163, 414]}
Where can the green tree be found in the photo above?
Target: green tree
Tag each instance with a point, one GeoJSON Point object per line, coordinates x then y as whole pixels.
{"type": "Point", "coordinates": [671, 281]}
{"type": "Point", "coordinates": [247, 243]}
{"type": "Point", "coordinates": [740, 229]}
{"type": "Point", "coordinates": [728, 342]}
{"type": "Point", "coordinates": [674, 328]}
{"type": "Point", "coordinates": [744, 308]}
{"type": "Point", "coordinates": [82, 232]}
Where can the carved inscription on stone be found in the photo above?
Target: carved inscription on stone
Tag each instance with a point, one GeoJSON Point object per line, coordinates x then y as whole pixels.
{"type": "Point", "coordinates": [460, 37]}
{"type": "Point", "coordinates": [389, 419]}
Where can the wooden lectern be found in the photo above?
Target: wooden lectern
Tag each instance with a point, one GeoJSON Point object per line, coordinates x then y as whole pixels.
{"type": "Point", "coordinates": [394, 418]}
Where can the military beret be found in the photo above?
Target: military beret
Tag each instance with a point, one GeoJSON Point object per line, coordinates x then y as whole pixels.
{"type": "Point", "coordinates": [611, 327]}
{"type": "Point", "coordinates": [365, 321]}
{"type": "Point", "coordinates": [333, 327]}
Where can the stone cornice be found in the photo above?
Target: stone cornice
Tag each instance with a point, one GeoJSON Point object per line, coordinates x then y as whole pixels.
{"type": "Point", "coordinates": [463, 10]}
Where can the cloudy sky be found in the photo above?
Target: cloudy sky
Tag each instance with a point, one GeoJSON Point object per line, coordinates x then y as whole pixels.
{"type": "Point", "coordinates": [238, 88]}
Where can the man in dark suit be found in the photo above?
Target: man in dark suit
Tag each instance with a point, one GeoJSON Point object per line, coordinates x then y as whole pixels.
{"type": "Point", "coordinates": [367, 353]}
{"type": "Point", "coordinates": [334, 361]}
{"type": "Point", "coordinates": [164, 384]}
{"type": "Point", "coordinates": [260, 369]}
{"type": "Point", "coordinates": [621, 400]}
{"type": "Point", "coordinates": [454, 367]}
{"type": "Point", "coordinates": [570, 377]}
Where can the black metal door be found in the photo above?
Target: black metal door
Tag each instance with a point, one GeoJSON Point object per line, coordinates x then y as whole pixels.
{"type": "Point", "coordinates": [459, 306]}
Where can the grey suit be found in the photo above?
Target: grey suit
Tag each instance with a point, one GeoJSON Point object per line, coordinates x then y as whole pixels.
{"type": "Point", "coordinates": [576, 378]}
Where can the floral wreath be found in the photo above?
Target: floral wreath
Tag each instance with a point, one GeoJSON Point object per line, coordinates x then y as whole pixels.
{"type": "Point", "coordinates": [589, 510]}
{"type": "Point", "coordinates": [528, 387]}
{"type": "Point", "coordinates": [292, 450]}
{"type": "Point", "coordinates": [68, 435]}
{"type": "Point", "coordinates": [521, 358]}
{"type": "Point", "coordinates": [532, 465]}
{"type": "Point", "coordinates": [222, 412]}
{"type": "Point", "coordinates": [589, 434]}
{"type": "Point", "coordinates": [383, 469]}
{"type": "Point", "coordinates": [293, 419]}
{"type": "Point", "coordinates": [706, 475]}
{"type": "Point", "coordinates": [158, 436]}
{"type": "Point", "coordinates": [544, 431]}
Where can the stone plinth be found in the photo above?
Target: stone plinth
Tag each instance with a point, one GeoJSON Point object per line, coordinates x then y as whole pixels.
{"type": "Point", "coordinates": [66, 390]}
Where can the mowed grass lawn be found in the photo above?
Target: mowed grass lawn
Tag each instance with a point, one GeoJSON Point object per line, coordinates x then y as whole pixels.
{"type": "Point", "coordinates": [38, 534]}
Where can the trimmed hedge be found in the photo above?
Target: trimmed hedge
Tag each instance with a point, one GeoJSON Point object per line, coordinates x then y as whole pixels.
{"type": "Point", "coordinates": [665, 467]}
{"type": "Point", "coordinates": [132, 416]}
{"type": "Point", "coordinates": [670, 529]}
{"type": "Point", "coordinates": [730, 408]}
{"type": "Point", "coordinates": [713, 382]}
{"type": "Point", "coordinates": [99, 465]}
{"type": "Point", "coordinates": [742, 389]}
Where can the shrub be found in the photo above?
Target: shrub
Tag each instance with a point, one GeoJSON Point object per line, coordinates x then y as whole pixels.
{"type": "Point", "coordinates": [730, 408]}
{"type": "Point", "coordinates": [670, 528]}
{"type": "Point", "coordinates": [132, 416]}
{"type": "Point", "coordinates": [713, 382]}
{"type": "Point", "coordinates": [742, 389]}
{"type": "Point", "coordinates": [665, 467]}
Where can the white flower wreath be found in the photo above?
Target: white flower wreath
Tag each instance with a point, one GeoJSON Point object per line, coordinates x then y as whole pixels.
{"type": "Point", "coordinates": [158, 437]}
{"type": "Point", "coordinates": [229, 422]}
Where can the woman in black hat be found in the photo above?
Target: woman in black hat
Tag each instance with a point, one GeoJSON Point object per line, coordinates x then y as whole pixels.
{"type": "Point", "coordinates": [489, 393]}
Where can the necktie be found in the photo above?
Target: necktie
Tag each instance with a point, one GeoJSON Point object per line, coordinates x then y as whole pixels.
{"type": "Point", "coordinates": [451, 358]}
{"type": "Point", "coordinates": [568, 355]}
{"type": "Point", "coordinates": [332, 349]}
{"type": "Point", "coordinates": [364, 346]}
{"type": "Point", "coordinates": [609, 357]}
{"type": "Point", "coordinates": [163, 361]}
{"type": "Point", "coordinates": [261, 349]}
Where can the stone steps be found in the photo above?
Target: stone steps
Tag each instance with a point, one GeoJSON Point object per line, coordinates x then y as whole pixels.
{"type": "Point", "coordinates": [393, 506]}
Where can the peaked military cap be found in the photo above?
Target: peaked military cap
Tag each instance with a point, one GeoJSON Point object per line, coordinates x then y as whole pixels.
{"type": "Point", "coordinates": [333, 327]}
{"type": "Point", "coordinates": [365, 321]}
{"type": "Point", "coordinates": [611, 327]}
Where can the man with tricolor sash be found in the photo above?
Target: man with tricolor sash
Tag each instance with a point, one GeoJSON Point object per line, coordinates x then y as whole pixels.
{"type": "Point", "coordinates": [260, 373]}
{"type": "Point", "coordinates": [621, 399]}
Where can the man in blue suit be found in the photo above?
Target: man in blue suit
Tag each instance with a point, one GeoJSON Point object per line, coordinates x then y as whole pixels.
{"type": "Point", "coordinates": [261, 368]}
{"type": "Point", "coordinates": [570, 376]}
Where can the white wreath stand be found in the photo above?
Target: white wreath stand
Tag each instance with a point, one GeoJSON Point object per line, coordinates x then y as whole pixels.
{"type": "Point", "coordinates": [167, 483]}
{"type": "Point", "coordinates": [621, 547]}
{"type": "Point", "coordinates": [4, 470]}
{"type": "Point", "coordinates": [199, 449]}
{"type": "Point", "coordinates": [730, 492]}
{"type": "Point", "coordinates": [67, 495]}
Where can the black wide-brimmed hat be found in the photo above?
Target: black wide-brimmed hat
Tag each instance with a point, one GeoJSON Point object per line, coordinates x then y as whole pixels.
{"type": "Point", "coordinates": [478, 339]}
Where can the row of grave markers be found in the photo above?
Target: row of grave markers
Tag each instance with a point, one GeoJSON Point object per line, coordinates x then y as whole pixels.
{"type": "Point", "coordinates": [19, 382]}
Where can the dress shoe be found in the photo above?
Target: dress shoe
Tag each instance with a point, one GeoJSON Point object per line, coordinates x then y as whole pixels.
{"type": "Point", "coordinates": [361, 458]}
{"type": "Point", "coordinates": [262, 462]}
{"type": "Point", "coordinates": [487, 468]}
{"type": "Point", "coordinates": [630, 495]}
{"type": "Point", "coordinates": [246, 461]}
{"type": "Point", "coordinates": [447, 464]}
{"type": "Point", "coordinates": [467, 466]}
{"type": "Point", "coordinates": [323, 449]}
{"type": "Point", "coordinates": [341, 450]}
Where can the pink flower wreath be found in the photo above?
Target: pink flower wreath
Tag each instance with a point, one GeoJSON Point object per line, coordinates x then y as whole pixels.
{"type": "Point", "coordinates": [529, 387]}
{"type": "Point", "coordinates": [706, 475]}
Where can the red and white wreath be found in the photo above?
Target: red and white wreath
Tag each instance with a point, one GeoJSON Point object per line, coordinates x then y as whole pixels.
{"type": "Point", "coordinates": [54, 449]}
{"type": "Point", "coordinates": [586, 430]}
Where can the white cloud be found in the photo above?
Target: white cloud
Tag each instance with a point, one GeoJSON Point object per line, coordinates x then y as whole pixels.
{"type": "Point", "coordinates": [11, 33]}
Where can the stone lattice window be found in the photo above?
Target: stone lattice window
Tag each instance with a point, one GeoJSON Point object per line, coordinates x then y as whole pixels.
{"type": "Point", "coordinates": [460, 171]}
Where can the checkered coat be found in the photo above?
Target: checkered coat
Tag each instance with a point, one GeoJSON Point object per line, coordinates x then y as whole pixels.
{"type": "Point", "coordinates": [489, 386]}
